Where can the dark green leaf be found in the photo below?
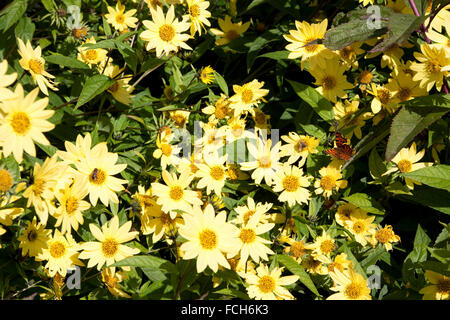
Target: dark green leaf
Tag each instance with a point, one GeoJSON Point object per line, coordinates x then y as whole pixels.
{"type": "Point", "coordinates": [436, 176]}
{"type": "Point", "coordinates": [93, 87]}
{"type": "Point", "coordinates": [365, 202]}
{"type": "Point", "coordinates": [64, 61]}
{"type": "Point", "coordinates": [294, 267]}
{"type": "Point", "coordinates": [12, 14]}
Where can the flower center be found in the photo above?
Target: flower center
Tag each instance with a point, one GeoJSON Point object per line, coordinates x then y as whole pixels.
{"type": "Point", "coordinates": [166, 149]}
{"type": "Point", "coordinates": [264, 162]}
{"type": "Point", "coordinates": [20, 123]}
{"type": "Point", "coordinates": [365, 77]}
{"type": "Point", "coordinates": [91, 54]}
{"type": "Point", "coordinates": [32, 235]}
{"type": "Point", "coordinates": [176, 193]}
{"type": "Point", "coordinates": [384, 95]}
{"type": "Point", "coordinates": [327, 183]}
{"type": "Point", "coordinates": [266, 284]}
{"type": "Point", "coordinates": [312, 47]}
{"type": "Point", "coordinates": [353, 291]}
{"type": "Point", "coordinates": [111, 281]}
{"type": "Point", "coordinates": [179, 120]}
{"type": "Point", "coordinates": [298, 249]}
{"type": "Point", "coordinates": [231, 35]}
{"type": "Point", "coordinates": [247, 236]}
{"type": "Point", "coordinates": [6, 180]}
{"type": "Point", "coordinates": [120, 19]}
{"type": "Point", "coordinates": [443, 286]}
{"type": "Point", "coordinates": [433, 66]}
{"type": "Point", "coordinates": [300, 145]}
{"type": "Point", "coordinates": [347, 53]}
{"type": "Point", "coordinates": [36, 66]}
{"type": "Point", "coordinates": [57, 250]}
{"type": "Point", "coordinates": [217, 173]}
{"type": "Point", "coordinates": [383, 235]}
{"type": "Point", "coordinates": [334, 265]}
{"type": "Point", "coordinates": [404, 94]}
{"type": "Point", "coordinates": [247, 96]}
{"type": "Point", "coordinates": [358, 227]}
{"type": "Point", "coordinates": [194, 11]}
{"type": "Point", "coordinates": [166, 32]}
{"type": "Point", "coordinates": [79, 33]}
{"type": "Point", "coordinates": [221, 110]}
{"type": "Point", "coordinates": [110, 248]}
{"type": "Point", "coordinates": [71, 205]}
{"type": "Point", "coordinates": [328, 83]}
{"type": "Point", "coordinates": [404, 165]}
{"type": "Point", "coordinates": [194, 168]}
{"type": "Point", "coordinates": [38, 187]}
{"type": "Point", "coordinates": [97, 176]}
{"type": "Point", "coordinates": [291, 183]}
{"type": "Point", "coordinates": [208, 239]}
{"type": "Point", "coordinates": [327, 246]}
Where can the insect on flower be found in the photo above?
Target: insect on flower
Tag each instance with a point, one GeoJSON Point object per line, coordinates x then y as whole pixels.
{"type": "Point", "coordinates": [343, 151]}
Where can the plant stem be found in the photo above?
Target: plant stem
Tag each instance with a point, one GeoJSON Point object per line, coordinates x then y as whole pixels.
{"type": "Point", "coordinates": [417, 13]}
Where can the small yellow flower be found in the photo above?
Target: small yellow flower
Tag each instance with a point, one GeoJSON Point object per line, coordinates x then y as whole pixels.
{"type": "Point", "coordinates": [120, 19]}
{"type": "Point", "coordinates": [207, 75]}
{"type": "Point", "coordinates": [91, 56]}
{"type": "Point", "coordinates": [246, 97]}
{"type": "Point", "coordinates": [330, 181]}
{"type": "Point", "coordinates": [198, 15]}
{"type": "Point", "coordinates": [322, 247]}
{"type": "Point", "coordinates": [33, 239]}
{"type": "Point", "coordinates": [298, 147]}
{"type": "Point", "coordinates": [439, 288]}
{"type": "Point", "coordinates": [229, 30]}
{"type": "Point", "coordinates": [385, 236]}
{"type": "Point", "coordinates": [290, 181]}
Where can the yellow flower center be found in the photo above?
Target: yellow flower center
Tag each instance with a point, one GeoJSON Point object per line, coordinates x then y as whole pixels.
{"type": "Point", "coordinates": [247, 96]}
{"type": "Point", "coordinates": [111, 281]}
{"type": "Point", "coordinates": [433, 66]}
{"type": "Point", "coordinates": [176, 193]}
{"type": "Point", "coordinates": [300, 145]}
{"type": "Point", "coordinates": [91, 55]}
{"type": "Point", "coordinates": [312, 47]}
{"type": "Point", "coordinates": [328, 83]}
{"type": "Point", "coordinates": [334, 265]}
{"type": "Point", "coordinates": [97, 176]}
{"type": "Point", "coordinates": [6, 180]}
{"type": "Point", "coordinates": [353, 291]}
{"type": "Point", "coordinates": [120, 19]}
{"type": "Point", "coordinates": [221, 110]}
{"type": "Point", "coordinates": [194, 168]}
{"type": "Point", "coordinates": [358, 227]}
{"type": "Point", "coordinates": [247, 235]}
{"type": "Point", "coordinates": [166, 32]}
{"type": "Point", "coordinates": [166, 149]}
{"type": "Point", "coordinates": [404, 165]}
{"type": "Point", "coordinates": [79, 33]}
{"type": "Point", "coordinates": [57, 249]}
{"type": "Point", "coordinates": [146, 200]}
{"type": "Point", "coordinates": [20, 123]}
{"type": "Point", "coordinates": [208, 239]}
{"type": "Point", "coordinates": [38, 187]}
{"type": "Point", "coordinates": [327, 246]}
{"type": "Point", "coordinates": [36, 66]}
{"type": "Point", "coordinates": [266, 284]}
{"type": "Point", "coordinates": [327, 183]}
{"type": "Point", "coordinates": [248, 215]}
{"type": "Point", "coordinates": [404, 94]}
{"type": "Point", "coordinates": [443, 286]}
{"type": "Point", "coordinates": [264, 162]}
{"type": "Point", "coordinates": [194, 11]}
{"type": "Point", "coordinates": [32, 235]}
{"type": "Point", "coordinates": [71, 205]}
{"type": "Point", "coordinates": [365, 77]}
{"type": "Point", "coordinates": [231, 35]}
{"type": "Point", "coordinates": [291, 183]}
{"type": "Point", "coordinates": [347, 53]}
{"type": "Point", "coordinates": [383, 235]}
{"type": "Point", "coordinates": [179, 120]}
{"type": "Point", "coordinates": [384, 95]}
{"type": "Point", "coordinates": [217, 173]}
{"type": "Point", "coordinates": [298, 249]}
{"type": "Point", "coordinates": [110, 248]}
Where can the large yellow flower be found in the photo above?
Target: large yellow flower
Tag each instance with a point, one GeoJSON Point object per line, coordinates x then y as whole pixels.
{"type": "Point", "coordinates": [349, 286]}
{"type": "Point", "coordinates": [165, 33]}
{"type": "Point", "coordinates": [246, 97]}
{"type": "Point", "coordinates": [33, 239]}
{"type": "Point", "coordinates": [120, 19]}
{"type": "Point", "coordinates": [298, 147]}
{"type": "Point", "coordinates": [5, 81]}
{"type": "Point", "coordinates": [108, 248]}
{"type": "Point", "coordinates": [330, 181]}
{"type": "Point", "coordinates": [22, 121]}
{"type": "Point", "coordinates": [33, 63]}
{"type": "Point", "coordinates": [229, 30]}
{"type": "Point", "coordinates": [209, 237]}
{"type": "Point", "coordinates": [290, 181]}
{"type": "Point", "coordinates": [268, 285]}
{"type": "Point", "coordinates": [439, 288]}
{"type": "Point", "coordinates": [198, 15]}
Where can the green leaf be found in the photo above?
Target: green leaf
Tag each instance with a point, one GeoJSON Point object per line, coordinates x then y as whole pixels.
{"type": "Point", "coordinates": [64, 61]}
{"type": "Point", "coordinates": [104, 44]}
{"type": "Point", "coordinates": [319, 104]}
{"type": "Point", "coordinates": [436, 176]}
{"type": "Point", "coordinates": [412, 119]}
{"type": "Point", "coordinates": [294, 267]}
{"type": "Point", "coordinates": [48, 4]}
{"type": "Point", "coordinates": [146, 261]}
{"type": "Point", "coordinates": [128, 55]}
{"type": "Point", "coordinates": [93, 87]}
{"type": "Point", "coordinates": [433, 198]}
{"type": "Point", "coordinates": [276, 55]}
{"type": "Point", "coordinates": [376, 165]}
{"type": "Point", "coordinates": [365, 202]}
{"type": "Point", "coordinates": [233, 293]}
{"type": "Point", "coordinates": [221, 82]}
{"type": "Point", "coordinates": [106, 27]}
{"type": "Point", "coordinates": [12, 14]}
{"type": "Point", "coordinates": [25, 29]}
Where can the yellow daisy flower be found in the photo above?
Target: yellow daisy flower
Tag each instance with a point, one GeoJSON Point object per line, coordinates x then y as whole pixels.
{"type": "Point", "coordinates": [340, 263]}
{"type": "Point", "coordinates": [120, 19]}
{"type": "Point", "coordinates": [246, 97]}
{"type": "Point", "coordinates": [108, 248]}
{"type": "Point", "coordinates": [166, 152]}
{"type": "Point", "coordinates": [440, 40]}
{"type": "Point", "coordinates": [229, 30]}
{"type": "Point", "coordinates": [165, 33]}
{"type": "Point", "coordinates": [313, 265]}
{"type": "Point", "coordinates": [330, 181]}
{"type": "Point", "coordinates": [207, 75]}
{"type": "Point", "coordinates": [404, 88]}
{"type": "Point", "coordinates": [439, 288]}
{"type": "Point", "coordinates": [33, 63]}
{"type": "Point", "coordinates": [91, 56]}
{"type": "Point", "coordinates": [180, 117]}
{"type": "Point", "coordinates": [349, 285]}
{"type": "Point", "coordinates": [268, 285]}
{"type": "Point", "coordinates": [22, 121]}
{"type": "Point", "coordinates": [385, 236]}
{"type": "Point", "coordinates": [198, 15]}
{"type": "Point", "coordinates": [344, 212]}
{"type": "Point", "coordinates": [111, 278]}
{"type": "Point", "coordinates": [212, 174]}
{"type": "Point", "coordinates": [158, 223]}
{"type": "Point", "coordinates": [244, 213]}
{"type": "Point", "coordinates": [322, 247]}
{"type": "Point", "coordinates": [383, 99]}
{"type": "Point", "coordinates": [298, 147]}
{"type": "Point", "coordinates": [297, 249]}
{"type": "Point", "coordinates": [33, 239]}
{"type": "Point", "coordinates": [220, 110]}
{"type": "Point", "coordinates": [76, 152]}
{"type": "Point", "coordinates": [290, 181]}
{"type": "Point", "coordinates": [120, 90]}
{"type": "Point", "coordinates": [5, 81]}
{"type": "Point", "coordinates": [361, 226]}
{"type": "Point", "coordinates": [209, 238]}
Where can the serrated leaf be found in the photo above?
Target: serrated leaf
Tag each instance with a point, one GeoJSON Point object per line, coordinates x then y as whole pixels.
{"type": "Point", "coordinates": [294, 267]}
{"type": "Point", "coordinates": [319, 104]}
{"type": "Point", "coordinates": [12, 14]}
{"type": "Point", "coordinates": [365, 202]}
{"type": "Point", "coordinates": [436, 176]}
{"type": "Point", "coordinates": [66, 61]}
{"type": "Point", "coordinates": [93, 87]}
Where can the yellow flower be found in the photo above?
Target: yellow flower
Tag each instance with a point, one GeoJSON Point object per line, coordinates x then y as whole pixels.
{"type": "Point", "coordinates": [173, 195]}
{"type": "Point", "coordinates": [33, 239]}
{"type": "Point", "coordinates": [343, 112]}
{"type": "Point", "coordinates": [108, 248]}
{"type": "Point", "coordinates": [7, 215]}
{"type": "Point", "coordinates": [441, 41]}
{"type": "Point", "coordinates": [5, 81]}
{"type": "Point", "coordinates": [166, 152]}
{"type": "Point", "coordinates": [120, 19]}
{"type": "Point", "coordinates": [198, 15]}
{"type": "Point", "coordinates": [290, 181]}
{"type": "Point", "coordinates": [349, 285]}
{"type": "Point", "coordinates": [244, 213]}
{"type": "Point", "coordinates": [385, 236]}
{"type": "Point", "coordinates": [229, 30]}
{"type": "Point", "coordinates": [219, 110]}
{"type": "Point", "coordinates": [366, 2]}
{"type": "Point", "coordinates": [322, 247]}
{"type": "Point", "coordinates": [304, 34]}
{"type": "Point", "coordinates": [383, 99]}
{"type": "Point", "coordinates": [112, 278]}
{"type": "Point", "coordinates": [404, 88]}
{"type": "Point", "coordinates": [330, 78]}
{"type": "Point", "coordinates": [348, 55]}
{"type": "Point", "coordinates": [297, 249]}
{"type": "Point", "coordinates": [330, 181]}
{"type": "Point", "coordinates": [22, 121]}
{"type": "Point", "coordinates": [344, 212]}
{"type": "Point", "coordinates": [361, 226]}
{"type": "Point", "coordinates": [61, 254]}
{"type": "Point", "coordinates": [91, 56]}
{"type": "Point", "coordinates": [212, 174]}
{"type": "Point", "coordinates": [97, 169]}
{"type": "Point", "coordinates": [207, 75]}
{"type": "Point", "coordinates": [340, 263]}
{"type": "Point", "coordinates": [407, 161]}
{"type": "Point", "coordinates": [298, 147]}
{"type": "Point", "coordinates": [440, 20]}
{"type": "Point", "coordinates": [313, 265]}
{"type": "Point", "coordinates": [439, 288]}
{"type": "Point", "coordinates": [432, 68]}
{"type": "Point", "coordinates": [120, 90]}
{"type": "Point", "coordinates": [246, 97]}
{"type": "Point", "coordinates": [164, 33]}
{"type": "Point", "coordinates": [180, 117]}
{"type": "Point", "coordinates": [268, 285]}
{"type": "Point", "coordinates": [33, 63]}
{"type": "Point", "coordinates": [209, 238]}
{"type": "Point", "coordinates": [76, 152]}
